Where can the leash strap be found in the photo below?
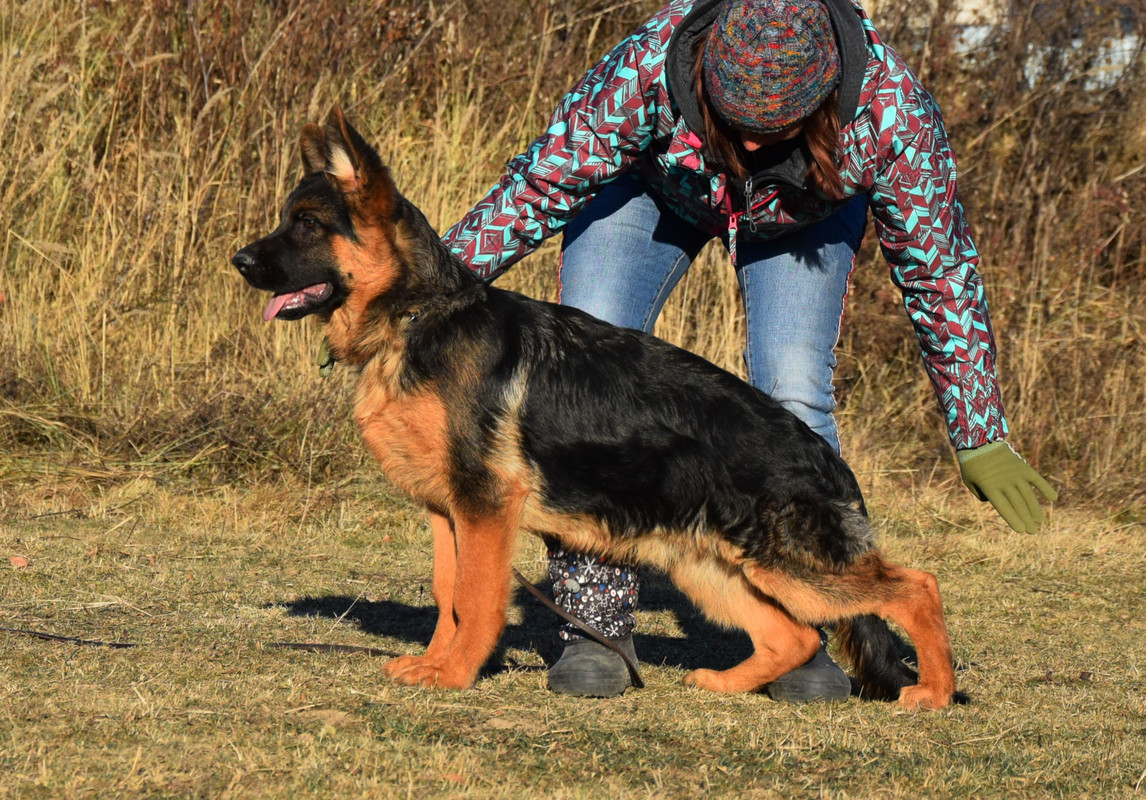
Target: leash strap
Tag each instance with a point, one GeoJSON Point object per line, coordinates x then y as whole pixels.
{"type": "Point", "coordinates": [51, 637]}
{"type": "Point", "coordinates": [596, 636]}
{"type": "Point", "coordinates": [316, 647]}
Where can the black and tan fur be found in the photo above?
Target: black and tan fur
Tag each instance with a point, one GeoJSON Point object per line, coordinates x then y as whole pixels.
{"type": "Point", "coordinates": [503, 414]}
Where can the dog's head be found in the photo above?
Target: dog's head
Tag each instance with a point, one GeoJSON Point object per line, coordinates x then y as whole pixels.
{"type": "Point", "coordinates": [335, 236]}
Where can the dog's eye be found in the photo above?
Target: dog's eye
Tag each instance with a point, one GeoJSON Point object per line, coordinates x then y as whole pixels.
{"type": "Point", "coordinates": [308, 222]}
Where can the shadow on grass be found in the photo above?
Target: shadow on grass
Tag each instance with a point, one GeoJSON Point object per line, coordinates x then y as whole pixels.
{"type": "Point", "coordinates": [703, 644]}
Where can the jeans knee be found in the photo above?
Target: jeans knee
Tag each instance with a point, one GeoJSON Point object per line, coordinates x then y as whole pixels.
{"type": "Point", "coordinates": [802, 383]}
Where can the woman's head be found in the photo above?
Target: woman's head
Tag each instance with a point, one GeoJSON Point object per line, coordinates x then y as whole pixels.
{"type": "Point", "coordinates": [770, 63]}
{"type": "Point", "coordinates": [766, 72]}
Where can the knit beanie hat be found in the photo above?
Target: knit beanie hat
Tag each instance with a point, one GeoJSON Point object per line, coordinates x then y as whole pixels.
{"type": "Point", "coordinates": [770, 63]}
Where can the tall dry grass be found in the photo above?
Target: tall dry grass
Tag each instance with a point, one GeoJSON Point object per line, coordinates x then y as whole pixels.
{"type": "Point", "coordinates": [141, 149]}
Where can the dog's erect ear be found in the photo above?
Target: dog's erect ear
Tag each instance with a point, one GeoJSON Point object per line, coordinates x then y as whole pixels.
{"type": "Point", "coordinates": [312, 142]}
{"type": "Point", "coordinates": [350, 163]}
{"type": "Point", "coordinates": [356, 167]}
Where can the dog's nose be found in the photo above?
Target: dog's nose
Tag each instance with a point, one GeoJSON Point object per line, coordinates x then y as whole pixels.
{"type": "Point", "coordinates": [243, 261]}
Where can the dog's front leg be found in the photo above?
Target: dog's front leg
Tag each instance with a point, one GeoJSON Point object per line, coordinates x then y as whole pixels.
{"type": "Point", "coordinates": [442, 588]}
{"type": "Point", "coordinates": [484, 545]}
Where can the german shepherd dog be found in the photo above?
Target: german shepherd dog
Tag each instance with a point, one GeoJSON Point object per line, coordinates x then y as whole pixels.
{"type": "Point", "coordinates": [500, 413]}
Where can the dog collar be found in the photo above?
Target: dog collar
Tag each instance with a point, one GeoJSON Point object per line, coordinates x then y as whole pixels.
{"type": "Point", "coordinates": [325, 359]}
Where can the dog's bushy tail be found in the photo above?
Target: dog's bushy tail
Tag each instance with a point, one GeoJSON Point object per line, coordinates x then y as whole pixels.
{"type": "Point", "coordinates": [877, 655]}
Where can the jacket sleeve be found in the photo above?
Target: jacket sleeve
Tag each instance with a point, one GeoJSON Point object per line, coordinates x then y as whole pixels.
{"type": "Point", "coordinates": [927, 242]}
{"type": "Point", "coordinates": [597, 132]}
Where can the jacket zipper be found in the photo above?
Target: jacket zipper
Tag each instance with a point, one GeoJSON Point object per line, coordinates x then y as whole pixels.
{"type": "Point", "coordinates": [734, 217]}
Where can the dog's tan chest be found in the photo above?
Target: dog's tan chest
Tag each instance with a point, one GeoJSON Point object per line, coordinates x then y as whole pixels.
{"type": "Point", "coordinates": [407, 435]}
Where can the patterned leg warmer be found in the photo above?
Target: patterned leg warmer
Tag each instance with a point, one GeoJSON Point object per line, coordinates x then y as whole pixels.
{"type": "Point", "coordinates": [601, 595]}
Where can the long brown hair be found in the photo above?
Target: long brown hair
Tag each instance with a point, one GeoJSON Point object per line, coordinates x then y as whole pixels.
{"type": "Point", "coordinates": [821, 132]}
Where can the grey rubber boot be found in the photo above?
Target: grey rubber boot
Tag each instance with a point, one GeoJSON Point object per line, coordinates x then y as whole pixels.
{"type": "Point", "coordinates": [819, 679]}
{"type": "Point", "coordinates": [589, 669]}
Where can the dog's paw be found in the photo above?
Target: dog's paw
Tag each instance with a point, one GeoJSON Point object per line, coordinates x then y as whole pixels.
{"type": "Point", "coordinates": [396, 665]}
{"type": "Point", "coordinates": [421, 671]}
{"type": "Point", "coordinates": [701, 679]}
{"type": "Point", "coordinates": [923, 696]}
{"type": "Point", "coordinates": [715, 681]}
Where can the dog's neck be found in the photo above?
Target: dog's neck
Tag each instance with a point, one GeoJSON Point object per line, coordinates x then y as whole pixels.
{"type": "Point", "coordinates": [419, 274]}
{"type": "Point", "coordinates": [359, 335]}
{"type": "Point", "coordinates": [377, 329]}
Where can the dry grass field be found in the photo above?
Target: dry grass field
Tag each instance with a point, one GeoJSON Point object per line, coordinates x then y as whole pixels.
{"type": "Point", "coordinates": [1048, 633]}
{"type": "Point", "coordinates": [174, 475]}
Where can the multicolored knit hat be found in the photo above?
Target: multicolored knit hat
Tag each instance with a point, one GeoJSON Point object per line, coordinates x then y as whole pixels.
{"type": "Point", "coordinates": [770, 63]}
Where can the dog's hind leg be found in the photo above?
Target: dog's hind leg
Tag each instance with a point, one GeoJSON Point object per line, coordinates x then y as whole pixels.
{"type": "Point", "coordinates": [480, 597]}
{"type": "Point", "coordinates": [907, 597]}
{"type": "Point", "coordinates": [917, 608]}
{"type": "Point", "coordinates": [442, 588]}
{"type": "Point", "coordinates": [780, 642]}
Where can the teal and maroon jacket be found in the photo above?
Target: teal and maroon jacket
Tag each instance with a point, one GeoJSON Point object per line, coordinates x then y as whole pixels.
{"type": "Point", "coordinates": [635, 111]}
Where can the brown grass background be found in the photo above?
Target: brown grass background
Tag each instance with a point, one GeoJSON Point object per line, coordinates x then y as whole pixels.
{"type": "Point", "coordinates": [174, 474]}
{"type": "Point", "coordinates": [141, 148]}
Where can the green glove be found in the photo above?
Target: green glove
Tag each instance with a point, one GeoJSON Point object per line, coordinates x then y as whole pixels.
{"type": "Point", "coordinates": [325, 360]}
{"type": "Point", "coordinates": [995, 472]}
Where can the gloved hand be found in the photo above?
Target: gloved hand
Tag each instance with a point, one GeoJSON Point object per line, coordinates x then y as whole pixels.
{"type": "Point", "coordinates": [325, 359]}
{"type": "Point", "coordinates": [995, 472]}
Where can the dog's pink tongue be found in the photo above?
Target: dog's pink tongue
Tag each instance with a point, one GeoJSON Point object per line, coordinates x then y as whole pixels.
{"type": "Point", "coordinates": [276, 305]}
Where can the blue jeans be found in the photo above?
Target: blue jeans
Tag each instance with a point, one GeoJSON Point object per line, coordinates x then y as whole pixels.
{"type": "Point", "coordinates": [621, 259]}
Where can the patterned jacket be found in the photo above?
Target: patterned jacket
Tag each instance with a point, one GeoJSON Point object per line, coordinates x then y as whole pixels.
{"type": "Point", "coordinates": [635, 110]}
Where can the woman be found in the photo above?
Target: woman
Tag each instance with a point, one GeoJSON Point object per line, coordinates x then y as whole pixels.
{"type": "Point", "coordinates": [773, 125]}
